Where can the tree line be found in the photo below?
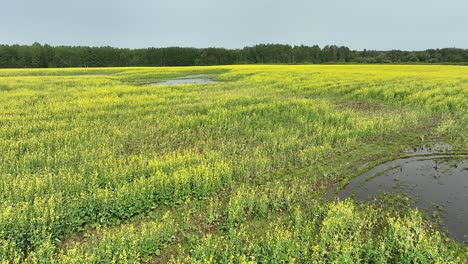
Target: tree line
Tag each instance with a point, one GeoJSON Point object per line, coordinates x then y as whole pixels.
{"type": "Point", "coordinates": [44, 56]}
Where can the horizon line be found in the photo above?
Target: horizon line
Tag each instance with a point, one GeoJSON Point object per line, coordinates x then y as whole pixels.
{"type": "Point", "coordinates": [218, 47]}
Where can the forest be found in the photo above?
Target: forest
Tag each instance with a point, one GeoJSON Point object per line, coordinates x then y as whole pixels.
{"type": "Point", "coordinates": [46, 56]}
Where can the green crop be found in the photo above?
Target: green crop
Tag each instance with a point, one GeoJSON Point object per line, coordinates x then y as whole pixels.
{"type": "Point", "coordinates": [98, 166]}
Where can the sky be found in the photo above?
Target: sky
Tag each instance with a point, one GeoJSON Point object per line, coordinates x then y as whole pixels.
{"type": "Point", "coordinates": [358, 24]}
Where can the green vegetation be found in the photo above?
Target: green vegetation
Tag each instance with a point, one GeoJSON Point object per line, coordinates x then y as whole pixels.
{"type": "Point", "coordinates": [99, 167]}
{"type": "Point", "coordinates": [46, 56]}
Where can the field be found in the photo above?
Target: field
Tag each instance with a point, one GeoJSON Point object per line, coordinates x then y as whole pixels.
{"type": "Point", "coordinates": [99, 166]}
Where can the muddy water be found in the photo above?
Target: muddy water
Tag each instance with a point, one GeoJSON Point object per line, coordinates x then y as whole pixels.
{"type": "Point", "coordinates": [196, 79]}
{"type": "Point", "coordinates": [436, 182]}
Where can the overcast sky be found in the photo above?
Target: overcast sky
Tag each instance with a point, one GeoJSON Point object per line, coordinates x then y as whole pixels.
{"type": "Point", "coordinates": [358, 24]}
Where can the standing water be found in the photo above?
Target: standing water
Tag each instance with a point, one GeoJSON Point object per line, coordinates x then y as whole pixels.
{"type": "Point", "coordinates": [436, 182]}
{"type": "Point", "coordinates": [195, 79]}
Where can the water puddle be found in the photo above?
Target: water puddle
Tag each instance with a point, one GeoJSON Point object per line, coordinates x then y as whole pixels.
{"type": "Point", "coordinates": [435, 181]}
{"type": "Point", "coordinates": [194, 79]}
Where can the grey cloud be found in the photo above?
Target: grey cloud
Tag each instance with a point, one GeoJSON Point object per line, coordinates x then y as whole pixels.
{"type": "Point", "coordinates": [359, 24]}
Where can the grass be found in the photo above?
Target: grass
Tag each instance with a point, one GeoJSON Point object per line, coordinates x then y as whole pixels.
{"type": "Point", "coordinates": [97, 167]}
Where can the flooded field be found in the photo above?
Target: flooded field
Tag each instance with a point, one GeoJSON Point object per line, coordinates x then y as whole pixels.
{"type": "Point", "coordinates": [436, 182]}
{"type": "Point", "coordinates": [95, 169]}
{"type": "Point", "coordinates": [195, 79]}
